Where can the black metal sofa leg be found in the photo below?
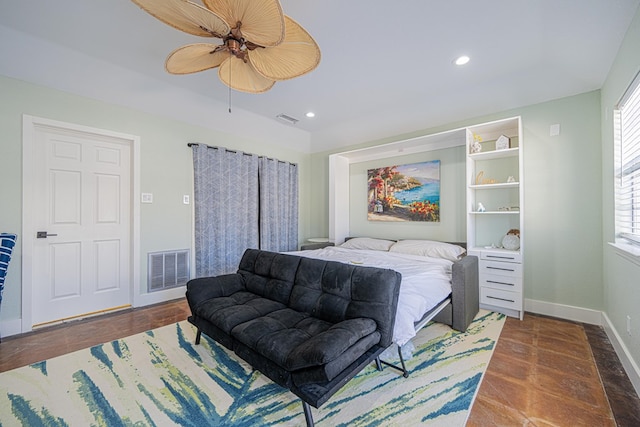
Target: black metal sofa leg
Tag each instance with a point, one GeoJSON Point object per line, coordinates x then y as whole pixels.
{"type": "Point", "coordinates": [404, 371]}
{"type": "Point", "coordinates": [378, 364]}
{"type": "Point", "coordinates": [307, 414]}
{"type": "Point", "coordinates": [198, 335]}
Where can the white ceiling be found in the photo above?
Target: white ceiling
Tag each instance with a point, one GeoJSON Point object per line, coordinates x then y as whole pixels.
{"type": "Point", "coordinates": [386, 67]}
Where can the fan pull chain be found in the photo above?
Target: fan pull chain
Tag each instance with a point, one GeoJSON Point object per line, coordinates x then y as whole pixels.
{"type": "Point", "coordinates": [230, 62]}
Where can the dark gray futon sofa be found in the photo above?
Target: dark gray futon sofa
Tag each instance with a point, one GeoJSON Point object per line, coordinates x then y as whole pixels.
{"type": "Point", "coordinates": [307, 324]}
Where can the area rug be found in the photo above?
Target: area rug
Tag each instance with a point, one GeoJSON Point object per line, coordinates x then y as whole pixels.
{"type": "Point", "coordinates": [161, 378]}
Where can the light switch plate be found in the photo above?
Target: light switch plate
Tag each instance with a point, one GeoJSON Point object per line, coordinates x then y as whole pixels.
{"type": "Point", "coordinates": [147, 198]}
{"type": "Point", "coordinates": [185, 199]}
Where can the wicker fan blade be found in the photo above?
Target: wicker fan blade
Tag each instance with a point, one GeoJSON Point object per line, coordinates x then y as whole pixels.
{"type": "Point", "coordinates": [298, 54]}
{"type": "Point", "coordinates": [195, 57]}
{"type": "Point", "coordinates": [240, 75]}
{"type": "Point", "coordinates": [262, 20]}
{"type": "Point", "coordinates": [186, 16]}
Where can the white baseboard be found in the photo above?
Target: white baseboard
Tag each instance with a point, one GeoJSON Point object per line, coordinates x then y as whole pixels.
{"type": "Point", "coordinates": [629, 365]}
{"type": "Point", "coordinates": [159, 296]}
{"type": "Point", "coordinates": [10, 327]}
{"type": "Point", "coordinates": [568, 312]}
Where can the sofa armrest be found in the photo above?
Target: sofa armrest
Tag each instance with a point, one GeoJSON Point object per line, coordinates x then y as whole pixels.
{"type": "Point", "coordinates": [465, 292]}
{"type": "Point", "coordinates": [205, 288]}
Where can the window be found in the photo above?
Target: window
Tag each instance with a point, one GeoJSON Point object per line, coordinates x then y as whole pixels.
{"type": "Point", "coordinates": [627, 164]}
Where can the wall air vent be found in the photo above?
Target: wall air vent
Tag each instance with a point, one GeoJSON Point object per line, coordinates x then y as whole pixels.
{"type": "Point", "coordinates": [167, 270]}
{"type": "Point", "coordinates": [288, 119]}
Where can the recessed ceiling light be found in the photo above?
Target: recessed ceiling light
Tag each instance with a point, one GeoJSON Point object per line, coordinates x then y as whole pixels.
{"type": "Point", "coordinates": [310, 114]}
{"type": "Point", "coordinates": [461, 60]}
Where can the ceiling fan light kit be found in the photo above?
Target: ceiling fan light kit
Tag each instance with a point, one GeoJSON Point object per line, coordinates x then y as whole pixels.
{"type": "Point", "coordinates": [260, 45]}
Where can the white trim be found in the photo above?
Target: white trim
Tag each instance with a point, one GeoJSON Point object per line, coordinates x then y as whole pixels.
{"type": "Point", "coordinates": [29, 124]}
{"type": "Point", "coordinates": [568, 312]}
{"type": "Point", "coordinates": [135, 221]}
{"type": "Point", "coordinates": [630, 367]}
{"type": "Point", "coordinates": [160, 296]}
{"type": "Point", "coordinates": [627, 251]}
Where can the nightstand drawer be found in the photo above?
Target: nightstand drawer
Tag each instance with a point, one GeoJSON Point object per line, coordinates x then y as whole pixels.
{"type": "Point", "coordinates": [500, 268]}
{"type": "Point", "coordinates": [502, 256]}
{"type": "Point", "coordinates": [499, 298]}
{"type": "Point", "coordinates": [504, 282]}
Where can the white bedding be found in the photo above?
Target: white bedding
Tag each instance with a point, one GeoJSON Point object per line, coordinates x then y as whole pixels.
{"type": "Point", "coordinates": [426, 281]}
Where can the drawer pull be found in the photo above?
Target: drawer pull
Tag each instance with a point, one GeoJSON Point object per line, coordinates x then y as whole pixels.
{"type": "Point", "coordinates": [501, 299]}
{"type": "Point", "coordinates": [501, 269]}
{"type": "Point", "coordinates": [501, 257]}
{"type": "Point", "coordinates": [500, 283]}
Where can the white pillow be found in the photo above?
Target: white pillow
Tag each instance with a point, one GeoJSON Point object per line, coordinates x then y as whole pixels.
{"type": "Point", "coordinates": [429, 248]}
{"type": "Point", "coordinates": [368, 243]}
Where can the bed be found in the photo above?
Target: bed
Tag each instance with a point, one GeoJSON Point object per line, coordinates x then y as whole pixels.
{"type": "Point", "coordinates": [438, 281]}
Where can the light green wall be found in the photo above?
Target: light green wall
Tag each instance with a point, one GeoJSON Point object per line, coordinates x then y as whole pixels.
{"type": "Point", "coordinates": [562, 209]}
{"type": "Point", "coordinates": [621, 276]}
{"type": "Point", "coordinates": [166, 168]}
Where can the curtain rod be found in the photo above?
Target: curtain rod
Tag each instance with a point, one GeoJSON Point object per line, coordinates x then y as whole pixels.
{"type": "Point", "coordinates": [191, 144]}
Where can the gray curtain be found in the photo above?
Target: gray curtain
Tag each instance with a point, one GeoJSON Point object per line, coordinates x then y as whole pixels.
{"type": "Point", "coordinates": [226, 208]}
{"type": "Point", "coordinates": [278, 205]}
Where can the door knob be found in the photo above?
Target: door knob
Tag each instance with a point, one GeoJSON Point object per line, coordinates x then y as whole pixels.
{"type": "Point", "coordinates": [43, 234]}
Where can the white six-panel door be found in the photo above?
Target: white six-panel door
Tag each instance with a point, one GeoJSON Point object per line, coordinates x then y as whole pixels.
{"type": "Point", "coordinates": [82, 211]}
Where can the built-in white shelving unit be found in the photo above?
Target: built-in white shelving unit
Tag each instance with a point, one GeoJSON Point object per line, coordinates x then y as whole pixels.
{"type": "Point", "coordinates": [494, 207]}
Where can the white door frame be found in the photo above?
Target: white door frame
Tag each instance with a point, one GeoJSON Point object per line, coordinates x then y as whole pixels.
{"type": "Point", "coordinates": [29, 125]}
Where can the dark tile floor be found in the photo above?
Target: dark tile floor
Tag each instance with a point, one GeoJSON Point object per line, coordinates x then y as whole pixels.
{"type": "Point", "coordinates": [544, 371]}
{"type": "Point", "coordinates": [552, 372]}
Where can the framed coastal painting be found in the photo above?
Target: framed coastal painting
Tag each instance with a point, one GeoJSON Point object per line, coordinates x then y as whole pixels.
{"type": "Point", "coordinates": [404, 193]}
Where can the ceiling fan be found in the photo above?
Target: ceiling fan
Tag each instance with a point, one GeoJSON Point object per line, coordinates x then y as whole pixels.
{"type": "Point", "coordinates": [260, 45]}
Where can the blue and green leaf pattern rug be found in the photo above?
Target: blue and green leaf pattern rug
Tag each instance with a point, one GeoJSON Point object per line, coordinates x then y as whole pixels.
{"type": "Point", "coordinates": [161, 378]}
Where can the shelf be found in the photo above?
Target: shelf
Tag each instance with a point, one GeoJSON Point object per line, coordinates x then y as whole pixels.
{"type": "Point", "coordinates": [496, 213]}
{"type": "Point", "coordinates": [493, 250]}
{"type": "Point", "coordinates": [494, 186]}
{"type": "Point", "coordinates": [496, 154]}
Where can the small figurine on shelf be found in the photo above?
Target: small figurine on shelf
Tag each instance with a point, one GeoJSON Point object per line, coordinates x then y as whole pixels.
{"type": "Point", "coordinates": [476, 147]}
{"type": "Point", "coordinates": [481, 207]}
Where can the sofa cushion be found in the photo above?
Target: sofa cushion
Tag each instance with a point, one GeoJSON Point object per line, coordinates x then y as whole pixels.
{"type": "Point", "coordinates": [269, 274]}
{"type": "Point", "coordinates": [330, 344]}
{"type": "Point", "coordinates": [241, 307]}
{"type": "Point", "coordinates": [295, 340]}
